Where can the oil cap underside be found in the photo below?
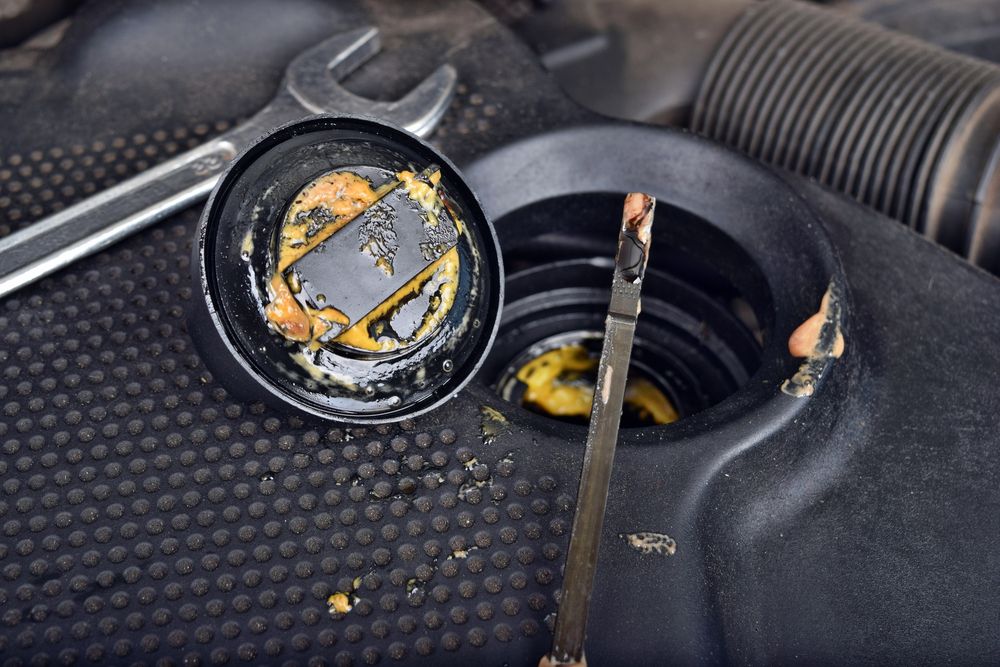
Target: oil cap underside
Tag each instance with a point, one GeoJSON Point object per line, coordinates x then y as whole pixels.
{"type": "Point", "coordinates": [347, 272]}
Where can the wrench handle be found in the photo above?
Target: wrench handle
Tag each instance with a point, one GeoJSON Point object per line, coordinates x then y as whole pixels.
{"type": "Point", "coordinates": [108, 217]}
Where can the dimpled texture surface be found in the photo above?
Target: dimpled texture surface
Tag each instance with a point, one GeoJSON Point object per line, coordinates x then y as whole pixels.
{"type": "Point", "coordinates": [147, 517]}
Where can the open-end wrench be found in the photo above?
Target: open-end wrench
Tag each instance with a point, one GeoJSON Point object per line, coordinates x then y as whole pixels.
{"type": "Point", "coordinates": [311, 86]}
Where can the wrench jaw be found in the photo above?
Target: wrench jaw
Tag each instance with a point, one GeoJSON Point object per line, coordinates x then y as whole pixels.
{"type": "Point", "coordinates": [313, 80]}
{"type": "Point", "coordinates": [421, 109]}
{"type": "Point", "coordinates": [346, 52]}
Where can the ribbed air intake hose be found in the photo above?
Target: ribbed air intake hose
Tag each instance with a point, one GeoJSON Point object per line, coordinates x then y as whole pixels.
{"type": "Point", "coordinates": [900, 125]}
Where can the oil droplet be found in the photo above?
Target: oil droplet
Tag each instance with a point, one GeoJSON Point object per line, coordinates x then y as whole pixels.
{"type": "Point", "coordinates": [369, 390]}
{"type": "Point", "coordinates": [447, 365]}
{"type": "Point", "coordinates": [246, 248]}
{"type": "Point", "coordinates": [394, 401]}
{"type": "Point", "coordinates": [339, 603]}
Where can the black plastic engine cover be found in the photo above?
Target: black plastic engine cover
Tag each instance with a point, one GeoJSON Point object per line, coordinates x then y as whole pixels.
{"type": "Point", "coordinates": [148, 517]}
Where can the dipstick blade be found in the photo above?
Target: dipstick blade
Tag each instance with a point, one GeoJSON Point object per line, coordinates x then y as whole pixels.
{"type": "Point", "coordinates": [602, 436]}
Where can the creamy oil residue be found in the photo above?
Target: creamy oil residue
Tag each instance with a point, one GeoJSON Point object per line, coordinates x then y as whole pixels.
{"type": "Point", "coordinates": [409, 315]}
{"type": "Point", "coordinates": [560, 383]}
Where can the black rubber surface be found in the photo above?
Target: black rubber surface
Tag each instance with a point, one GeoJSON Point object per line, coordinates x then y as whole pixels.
{"type": "Point", "coordinates": [145, 513]}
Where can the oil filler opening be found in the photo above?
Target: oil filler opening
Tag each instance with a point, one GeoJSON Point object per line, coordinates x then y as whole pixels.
{"type": "Point", "coordinates": [705, 313]}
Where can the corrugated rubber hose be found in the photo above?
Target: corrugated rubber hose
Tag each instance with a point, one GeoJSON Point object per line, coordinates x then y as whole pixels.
{"type": "Point", "coordinates": [898, 124]}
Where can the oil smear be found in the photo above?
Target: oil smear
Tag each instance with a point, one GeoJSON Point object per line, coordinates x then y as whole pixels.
{"type": "Point", "coordinates": [650, 543]}
{"type": "Point", "coordinates": [340, 603]}
{"type": "Point", "coordinates": [492, 424]}
{"type": "Point", "coordinates": [818, 340]}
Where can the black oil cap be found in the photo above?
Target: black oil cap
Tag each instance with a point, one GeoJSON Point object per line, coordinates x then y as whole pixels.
{"type": "Point", "coordinates": [345, 270]}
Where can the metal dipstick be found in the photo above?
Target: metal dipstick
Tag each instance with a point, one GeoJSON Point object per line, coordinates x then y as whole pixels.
{"type": "Point", "coordinates": [602, 437]}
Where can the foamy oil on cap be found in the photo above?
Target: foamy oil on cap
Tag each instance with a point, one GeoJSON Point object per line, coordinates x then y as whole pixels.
{"type": "Point", "coordinates": [345, 270]}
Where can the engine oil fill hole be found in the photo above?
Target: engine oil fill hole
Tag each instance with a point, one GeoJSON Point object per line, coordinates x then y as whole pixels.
{"type": "Point", "coordinates": [705, 313]}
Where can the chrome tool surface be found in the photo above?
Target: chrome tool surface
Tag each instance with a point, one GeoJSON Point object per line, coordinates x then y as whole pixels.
{"type": "Point", "coordinates": [602, 437]}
